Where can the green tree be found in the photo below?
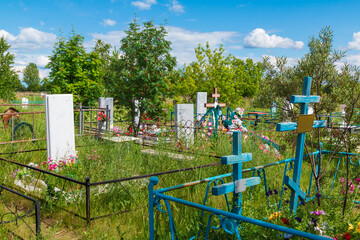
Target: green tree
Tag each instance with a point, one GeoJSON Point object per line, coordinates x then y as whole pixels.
{"type": "Point", "coordinates": [142, 71]}
{"type": "Point", "coordinates": [233, 77]}
{"type": "Point", "coordinates": [32, 77]}
{"type": "Point", "coordinates": [334, 88]}
{"type": "Point", "coordinates": [9, 80]}
{"type": "Point", "coordinates": [75, 71]}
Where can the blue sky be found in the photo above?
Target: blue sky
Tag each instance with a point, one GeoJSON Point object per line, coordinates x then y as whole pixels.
{"type": "Point", "coordinates": [247, 29]}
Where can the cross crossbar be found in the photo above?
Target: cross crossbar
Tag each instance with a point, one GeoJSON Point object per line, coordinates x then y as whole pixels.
{"type": "Point", "coordinates": [289, 126]}
{"type": "Point", "coordinates": [230, 187]}
{"type": "Point", "coordinates": [232, 159]}
{"type": "Point", "coordinates": [294, 187]}
{"type": "Point", "coordinates": [304, 99]}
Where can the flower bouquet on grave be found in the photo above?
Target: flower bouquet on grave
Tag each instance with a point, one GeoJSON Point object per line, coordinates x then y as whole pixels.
{"type": "Point", "coordinates": [102, 117]}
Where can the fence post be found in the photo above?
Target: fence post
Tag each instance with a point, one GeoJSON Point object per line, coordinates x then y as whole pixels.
{"type": "Point", "coordinates": [80, 119]}
{"type": "Point", "coordinates": [107, 118]}
{"type": "Point", "coordinates": [87, 180]}
{"type": "Point", "coordinates": [153, 181]}
{"type": "Point", "coordinates": [38, 222]}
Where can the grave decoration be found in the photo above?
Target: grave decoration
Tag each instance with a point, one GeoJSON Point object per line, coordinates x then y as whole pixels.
{"type": "Point", "coordinates": [214, 120]}
{"type": "Point", "coordinates": [230, 221]}
{"type": "Point", "coordinates": [305, 124]}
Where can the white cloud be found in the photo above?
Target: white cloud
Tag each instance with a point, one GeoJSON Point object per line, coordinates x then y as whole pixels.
{"type": "Point", "coordinates": [184, 41]}
{"type": "Point", "coordinates": [355, 45]}
{"type": "Point", "coordinates": [258, 38]}
{"type": "Point", "coordinates": [353, 59]}
{"type": "Point", "coordinates": [42, 61]}
{"type": "Point", "coordinates": [112, 37]}
{"type": "Point", "coordinates": [144, 5]}
{"type": "Point", "coordinates": [6, 35]}
{"type": "Point", "coordinates": [108, 22]}
{"type": "Point", "coordinates": [29, 39]}
{"type": "Point", "coordinates": [176, 7]}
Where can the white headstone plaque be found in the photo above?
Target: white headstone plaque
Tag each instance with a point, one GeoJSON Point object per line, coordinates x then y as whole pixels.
{"type": "Point", "coordinates": [109, 102]}
{"type": "Point", "coordinates": [201, 99]}
{"type": "Point", "coordinates": [60, 135]}
{"type": "Point", "coordinates": [184, 118]}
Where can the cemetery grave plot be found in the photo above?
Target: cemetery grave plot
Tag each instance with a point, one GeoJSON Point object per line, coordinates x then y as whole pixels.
{"type": "Point", "coordinates": [113, 189]}
{"type": "Point", "coordinates": [232, 220]}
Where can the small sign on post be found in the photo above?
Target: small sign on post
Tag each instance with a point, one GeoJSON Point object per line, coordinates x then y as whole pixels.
{"type": "Point", "coordinates": [305, 123]}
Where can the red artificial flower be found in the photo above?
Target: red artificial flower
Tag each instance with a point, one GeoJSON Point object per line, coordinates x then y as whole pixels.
{"type": "Point", "coordinates": [347, 236]}
{"type": "Point", "coordinates": [285, 221]}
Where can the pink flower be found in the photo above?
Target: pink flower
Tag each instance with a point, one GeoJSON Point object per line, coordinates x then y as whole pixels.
{"type": "Point", "coordinates": [318, 212]}
{"type": "Point", "coordinates": [342, 179]}
{"type": "Point", "coordinates": [357, 180]}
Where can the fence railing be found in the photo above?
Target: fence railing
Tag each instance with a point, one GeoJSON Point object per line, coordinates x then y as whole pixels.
{"type": "Point", "coordinates": [11, 215]}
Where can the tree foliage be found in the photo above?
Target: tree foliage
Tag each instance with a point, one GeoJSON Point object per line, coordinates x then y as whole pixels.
{"type": "Point", "coordinates": [32, 77]}
{"type": "Point", "coordinates": [9, 80]}
{"type": "Point", "coordinates": [142, 70]}
{"type": "Point", "coordinates": [281, 81]}
{"type": "Point", "coordinates": [75, 71]}
{"type": "Point", "coordinates": [233, 77]}
{"type": "Point", "coordinates": [334, 87]}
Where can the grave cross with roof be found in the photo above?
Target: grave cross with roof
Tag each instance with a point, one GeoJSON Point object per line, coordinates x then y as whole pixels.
{"type": "Point", "coordinates": [305, 124]}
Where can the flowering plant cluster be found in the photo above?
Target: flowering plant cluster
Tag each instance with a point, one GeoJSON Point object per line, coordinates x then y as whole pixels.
{"type": "Point", "coordinates": [240, 111]}
{"type": "Point", "coordinates": [207, 129]}
{"type": "Point", "coordinates": [101, 117]}
{"type": "Point", "coordinates": [20, 173]}
{"type": "Point", "coordinates": [350, 185]}
{"type": "Point", "coordinates": [54, 165]}
{"type": "Point", "coordinates": [117, 131]}
{"type": "Point", "coordinates": [144, 117]}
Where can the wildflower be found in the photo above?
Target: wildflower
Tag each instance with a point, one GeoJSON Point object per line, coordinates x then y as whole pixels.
{"type": "Point", "coordinates": [318, 212]}
{"type": "Point", "coordinates": [351, 227]}
{"type": "Point", "coordinates": [209, 123]}
{"type": "Point", "coordinates": [275, 215]}
{"type": "Point", "coordinates": [270, 192]}
{"type": "Point", "coordinates": [342, 179]}
{"type": "Point", "coordinates": [347, 236]}
{"type": "Point", "coordinates": [276, 192]}
{"type": "Point", "coordinates": [285, 188]}
{"type": "Point", "coordinates": [352, 187]}
{"type": "Point", "coordinates": [285, 221]}
{"type": "Point", "coordinates": [357, 229]}
{"type": "Point", "coordinates": [318, 195]}
{"type": "Point", "coordinates": [357, 180]}
{"type": "Point", "coordinates": [287, 201]}
{"type": "Point", "coordinates": [288, 235]}
{"type": "Point", "coordinates": [314, 221]}
{"type": "Point", "coordinates": [298, 219]}
{"type": "Point", "coordinates": [318, 229]}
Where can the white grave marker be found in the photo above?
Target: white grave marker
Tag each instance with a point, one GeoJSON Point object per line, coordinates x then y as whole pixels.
{"type": "Point", "coordinates": [109, 102]}
{"type": "Point", "coordinates": [60, 135]}
{"type": "Point", "coordinates": [184, 118]}
{"type": "Point", "coordinates": [201, 99]}
{"type": "Point", "coordinates": [24, 100]}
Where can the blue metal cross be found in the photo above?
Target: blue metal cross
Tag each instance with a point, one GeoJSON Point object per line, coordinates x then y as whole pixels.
{"type": "Point", "coordinates": [239, 184]}
{"type": "Point", "coordinates": [304, 100]}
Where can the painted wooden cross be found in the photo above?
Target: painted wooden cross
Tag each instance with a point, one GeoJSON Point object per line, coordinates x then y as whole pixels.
{"type": "Point", "coordinates": [239, 184]}
{"type": "Point", "coordinates": [215, 96]}
{"type": "Point", "coordinates": [304, 119]}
